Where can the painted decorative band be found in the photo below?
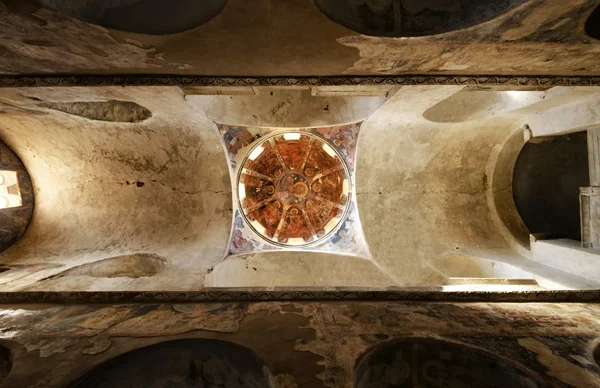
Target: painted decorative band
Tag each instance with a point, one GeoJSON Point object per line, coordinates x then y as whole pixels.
{"type": "Point", "coordinates": [391, 80]}
{"type": "Point", "coordinates": [298, 295]}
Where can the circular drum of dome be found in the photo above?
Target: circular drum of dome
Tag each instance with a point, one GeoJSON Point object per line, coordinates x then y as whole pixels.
{"type": "Point", "coordinates": [293, 189]}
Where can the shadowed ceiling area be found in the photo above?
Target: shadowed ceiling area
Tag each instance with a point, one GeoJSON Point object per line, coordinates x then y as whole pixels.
{"type": "Point", "coordinates": [298, 37]}
{"type": "Point", "coordinates": [5, 362]}
{"type": "Point", "coordinates": [184, 363]}
{"type": "Point", "coordinates": [592, 24]}
{"type": "Point", "coordinates": [152, 17]}
{"type": "Point", "coordinates": [435, 363]}
{"type": "Point", "coordinates": [403, 18]}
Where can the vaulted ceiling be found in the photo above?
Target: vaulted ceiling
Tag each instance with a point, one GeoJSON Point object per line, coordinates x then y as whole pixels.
{"type": "Point", "coordinates": [132, 187]}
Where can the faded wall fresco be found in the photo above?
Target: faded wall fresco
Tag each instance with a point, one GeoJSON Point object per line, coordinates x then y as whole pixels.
{"type": "Point", "coordinates": [330, 344]}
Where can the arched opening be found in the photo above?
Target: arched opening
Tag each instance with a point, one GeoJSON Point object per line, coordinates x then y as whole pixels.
{"type": "Point", "coordinates": [16, 198]}
{"type": "Point", "coordinates": [592, 24]}
{"type": "Point", "coordinates": [546, 181]}
{"type": "Point", "coordinates": [436, 363]}
{"type": "Point", "coordinates": [596, 354]}
{"type": "Point", "coordinates": [404, 18]}
{"type": "Point", "coordinates": [181, 363]}
{"type": "Point", "coordinates": [152, 17]}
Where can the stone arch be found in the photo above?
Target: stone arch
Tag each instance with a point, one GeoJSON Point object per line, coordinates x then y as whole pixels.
{"type": "Point", "coordinates": [182, 363]}
{"type": "Point", "coordinates": [438, 363]}
{"type": "Point", "coordinates": [16, 196]}
{"type": "Point", "coordinates": [407, 18]}
{"type": "Point", "coordinates": [500, 172]}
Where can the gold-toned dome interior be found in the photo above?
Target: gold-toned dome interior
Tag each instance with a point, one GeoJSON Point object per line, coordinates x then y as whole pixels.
{"type": "Point", "coordinates": [293, 188]}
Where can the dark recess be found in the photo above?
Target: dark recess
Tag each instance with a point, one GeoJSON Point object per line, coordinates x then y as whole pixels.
{"type": "Point", "coordinates": [406, 18]}
{"type": "Point", "coordinates": [546, 182]}
{"type": "Point", "coordinates": [181, 363]}
{"type": "Point", "coordinates": [152, 17]}
{"type": "Point", "coordinates": [592, 24]}
{"type": "Point", "coordinates": [5, 362]}
{"type": "Point", "coordinates": [427, 362]}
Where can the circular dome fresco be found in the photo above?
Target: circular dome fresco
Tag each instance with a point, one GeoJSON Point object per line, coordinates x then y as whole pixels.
{"type": "Point", "coordinates": [293, 189]}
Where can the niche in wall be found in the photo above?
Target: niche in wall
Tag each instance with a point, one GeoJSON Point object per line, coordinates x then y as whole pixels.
{"type": "Point", "coordinates": [181, 363]}
{"type": "Point", "coordinates": [424, 362]}
{"type": "Point", "coordinates": [546, 181]}
{"type": "Point", "coordinates": [406, 18]}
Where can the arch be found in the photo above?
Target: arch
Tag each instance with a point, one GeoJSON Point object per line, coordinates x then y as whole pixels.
{"type": "Point", "coordinates": [181, 363]}
{"type": "Point", "coordinates": [499, 193]}
{"type": "Point", "coordinates": [16, 197]}
{"type": "Point", "coordinates": [407, 18]}
{"type": "Point", "coordinates": [285, 108]}
{"type": "Point", "coordinates": [438, 363]}
{"type": "Point", "coordinates": [152, 17]}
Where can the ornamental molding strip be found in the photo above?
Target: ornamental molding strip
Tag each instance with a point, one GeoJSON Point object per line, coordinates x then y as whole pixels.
{"type": "Point", "coordinates": [299, 294]}
{"type": "Point", "coordinates": [11, 81]}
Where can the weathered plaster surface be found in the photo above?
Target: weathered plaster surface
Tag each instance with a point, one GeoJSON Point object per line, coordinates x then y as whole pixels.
{"type": "Point", "coordinates": [107, 189]}
{"type": "Point", "coordinates": [160, 186]}
{"type": "Point", "coordinates": [270, 37]}
{"type": "Point", "coordinates": [314, 344]}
